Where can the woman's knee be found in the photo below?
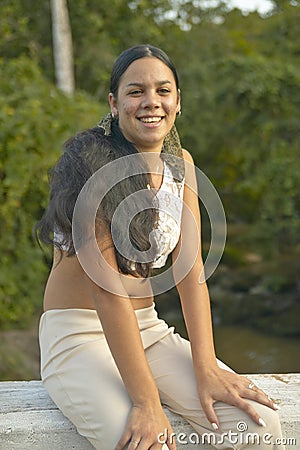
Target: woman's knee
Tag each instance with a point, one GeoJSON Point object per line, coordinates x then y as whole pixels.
{"type": "Point", "coordinates": [105, 434]}
{"type": "Point", "coordinates": [270, 418]}
{"type": "Point", "coordinates": [239, 431]}
{"type": "Point", "coordinates": [262, 437]}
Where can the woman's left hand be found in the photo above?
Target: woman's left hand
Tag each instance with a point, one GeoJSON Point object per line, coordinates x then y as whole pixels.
{"type": "Point", "coordinates": [222, 385]}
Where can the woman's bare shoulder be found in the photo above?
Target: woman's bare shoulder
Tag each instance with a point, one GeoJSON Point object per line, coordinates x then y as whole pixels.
{"type": "Point", "coordinates": [187, 156]}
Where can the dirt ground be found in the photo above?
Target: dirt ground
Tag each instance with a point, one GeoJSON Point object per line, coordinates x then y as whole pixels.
{"type": "Point", "coordinates": [19, 354]}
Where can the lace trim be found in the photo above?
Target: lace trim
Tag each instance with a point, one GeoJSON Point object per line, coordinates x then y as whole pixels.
{"type": "Point", "coordinates": [168, 200]}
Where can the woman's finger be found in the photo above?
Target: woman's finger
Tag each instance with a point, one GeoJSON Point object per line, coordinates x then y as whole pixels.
{"type": "Point", "coordinates": [133, 443]}
{"type": "Point", "coordinates": [166, 440]}
{"type": "Point", "coordinates": [171, 441]}
{"type": "Point", "coordinates": [166, 447]}
{"type": "Point", "coordinates": [169, 444]}
{"type": "Point", "coordinates": [252, 392]}
{"type": "Point", "coordinates": [248, 409]}
{"type": "Point", "coordinates": [207, 406]}
{"type": "Point", "coordinates": [123, 441]}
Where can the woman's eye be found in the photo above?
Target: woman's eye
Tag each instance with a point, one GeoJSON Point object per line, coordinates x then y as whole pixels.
{"type": "Point", "coordinates": [164, 91]}
{"type": "Point", "coordinates": [135, 92]}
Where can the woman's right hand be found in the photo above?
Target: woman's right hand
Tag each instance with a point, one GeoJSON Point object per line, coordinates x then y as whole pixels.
{"type": "Point", "coordinates": [147, 428]}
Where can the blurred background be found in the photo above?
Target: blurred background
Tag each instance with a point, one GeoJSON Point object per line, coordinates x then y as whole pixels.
{"type": "Point", "coordinates": [239, 72]}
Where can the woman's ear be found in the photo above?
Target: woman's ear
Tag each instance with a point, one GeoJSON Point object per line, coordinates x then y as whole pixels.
{"type": "Point", "coordinates": [178, 108]}
{"type": "Point", "coordinates": [113, 104]}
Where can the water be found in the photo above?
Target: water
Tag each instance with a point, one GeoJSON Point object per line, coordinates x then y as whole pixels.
{"type": "Point", "coordinates": [247, 350]}
{"type": "Point", "coordinates": [244, 349]}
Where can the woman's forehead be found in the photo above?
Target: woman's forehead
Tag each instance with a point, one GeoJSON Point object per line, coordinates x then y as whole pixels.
{"type": "Point", "coordinates": [147, 69]}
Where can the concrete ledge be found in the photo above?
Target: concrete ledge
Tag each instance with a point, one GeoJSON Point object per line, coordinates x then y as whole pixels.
{"type": "Point", "coordinates": [30, 420]}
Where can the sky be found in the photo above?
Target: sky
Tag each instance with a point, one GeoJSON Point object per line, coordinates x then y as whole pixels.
{"type": "Point", "coordinates": [249, 5]}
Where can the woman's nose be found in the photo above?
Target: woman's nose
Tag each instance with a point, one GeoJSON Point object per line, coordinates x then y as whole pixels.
{"type": "Point", "coordinates": [151, 100]}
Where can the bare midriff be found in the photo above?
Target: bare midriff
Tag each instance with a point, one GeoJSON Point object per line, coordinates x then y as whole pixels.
{"type": "Point", "coordinates": [69, 287]}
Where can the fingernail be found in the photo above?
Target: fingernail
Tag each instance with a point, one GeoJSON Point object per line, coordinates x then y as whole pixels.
{"type": "Point", "coordinates": [276, 406]}
{"type": "Point", "coordinates": [215, 426]}
{"type": "Point", "coordinates": [262, 422]}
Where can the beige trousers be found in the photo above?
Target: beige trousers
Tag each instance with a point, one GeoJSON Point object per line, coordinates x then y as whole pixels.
{"type": "Point", "coordinates": [80, 375]}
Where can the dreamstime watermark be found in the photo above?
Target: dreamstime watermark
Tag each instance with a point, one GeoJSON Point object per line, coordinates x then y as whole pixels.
{"type": "Point", "coordinates": [84, 235]}
{"type": "Point", "coordinates": [238, 437]}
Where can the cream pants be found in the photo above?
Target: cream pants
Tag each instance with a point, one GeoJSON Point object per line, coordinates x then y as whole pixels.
{"type": "Point", "coordinates": [80, 375]}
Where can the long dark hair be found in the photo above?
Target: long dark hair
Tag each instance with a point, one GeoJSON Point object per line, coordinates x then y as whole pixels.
{"type": "Point", "coordinates": [83, 155]}
{"type": "Point", "coordinates": [132, 54]}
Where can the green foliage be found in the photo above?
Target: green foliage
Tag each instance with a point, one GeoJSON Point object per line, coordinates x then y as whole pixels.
{"type": "Point", "coordinates": [101, 30]}
{"type": "Point", "coordinates": [36, 119]}
{"type": "Point", "coordinates": [258, 148]}
{"type": "Point", "coordinates": [240, 87]}
{"type": "Point", "coordinates": [27, 31]}
{"type": "Point", "coordinates": [244, 95]}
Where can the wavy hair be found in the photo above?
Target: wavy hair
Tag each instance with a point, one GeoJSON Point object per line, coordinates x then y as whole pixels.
{"type": "Point", "coordinates": [83, 155]}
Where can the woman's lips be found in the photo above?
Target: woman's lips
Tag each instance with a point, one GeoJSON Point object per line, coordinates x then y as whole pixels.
{"type": "Point", "coordinates": [151, 121]}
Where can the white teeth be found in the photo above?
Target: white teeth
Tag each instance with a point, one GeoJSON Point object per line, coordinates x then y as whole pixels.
{"type": "Point", "coordinates": [150, 119]}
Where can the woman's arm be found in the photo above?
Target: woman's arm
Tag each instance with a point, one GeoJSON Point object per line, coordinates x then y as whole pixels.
{"type": "Point", "coordinates": [147, 419]}
{"type": "Point", "coordinates": [213, 383]}
{"type": "Point", "coordinates": [194, 295]}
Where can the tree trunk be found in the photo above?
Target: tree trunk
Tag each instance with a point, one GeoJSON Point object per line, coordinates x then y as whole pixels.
{"type": "Point", "coordinates": [62, 46]}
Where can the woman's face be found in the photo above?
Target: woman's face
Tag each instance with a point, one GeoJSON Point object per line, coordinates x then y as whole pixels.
{"type": "Point", "coordinates": [146, 103]}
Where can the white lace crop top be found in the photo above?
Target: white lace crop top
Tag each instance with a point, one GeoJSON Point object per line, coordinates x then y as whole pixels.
{"type": "Point", "coordinates": [168, 201]}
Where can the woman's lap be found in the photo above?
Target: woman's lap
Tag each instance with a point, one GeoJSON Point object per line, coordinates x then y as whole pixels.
{"type": "Point", "coordinates": [89, 391]}
{"type": "Point", "coordinates": [171, 363]}
{"type": "Point", "coordinates": [85, 384]}
{"type": "Point", "coordinates": [80, 375]}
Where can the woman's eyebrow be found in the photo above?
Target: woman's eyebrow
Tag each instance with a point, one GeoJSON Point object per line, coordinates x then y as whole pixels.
{"type": "Point", "coordinates": [158, 83]}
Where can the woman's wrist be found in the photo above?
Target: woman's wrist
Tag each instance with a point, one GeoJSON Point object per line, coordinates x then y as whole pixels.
{"type": "Point", "coordinates": [204, 357]}
{"type": "Point", "coordinates": [204, 368]}
{"type": "Point", "coordinates": [150, 402]}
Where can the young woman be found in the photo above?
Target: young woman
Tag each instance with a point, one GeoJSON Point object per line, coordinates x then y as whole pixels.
{"type": "Point", "coordinates": [107, 360]}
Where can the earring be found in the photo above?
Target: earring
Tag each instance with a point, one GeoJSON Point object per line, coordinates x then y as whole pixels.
{"type": "Point", "coordinates": [113, 115]}
{"type": "Point", "coordinates": [178, 113]}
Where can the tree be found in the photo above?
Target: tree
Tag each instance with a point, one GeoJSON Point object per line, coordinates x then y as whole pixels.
{"type": "Point", "coordinates": [62, 46]}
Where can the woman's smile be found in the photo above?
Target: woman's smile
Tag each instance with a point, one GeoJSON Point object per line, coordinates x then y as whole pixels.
{"type": "Point", "coordinates": [151, 121]}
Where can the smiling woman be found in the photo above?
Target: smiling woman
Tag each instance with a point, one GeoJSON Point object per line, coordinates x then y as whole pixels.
{"type": "Point", "coordinates": [107, 360]}
{"type": "Point", "coordinates": [146, 102]}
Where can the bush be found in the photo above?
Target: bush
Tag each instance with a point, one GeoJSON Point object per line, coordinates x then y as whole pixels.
{"type": "Point", "coordinates": [36, 119]}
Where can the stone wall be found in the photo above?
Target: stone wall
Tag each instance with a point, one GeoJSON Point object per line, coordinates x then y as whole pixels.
{"type": "Point", "coordinates": [30, 420]}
